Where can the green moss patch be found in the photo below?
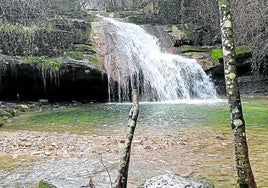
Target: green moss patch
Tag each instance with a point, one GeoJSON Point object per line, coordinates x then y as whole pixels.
{"type": "Point", "coordinates": [47, 63]}
{"type": "Point", "coordinates": [94, 59]}
{"type": "Point", "coordinates": [8, 27]}
{"type": "Point", "coordinates": [52, 65]}
{"type": "Point", "coordinates": [33, 59]}
{"type": "Point", "coordinates": [188, 48]}
{"type": "Point", "coordinates": [44, 184]}
{"type": "Point", "coordinates": [78, 55]}
{"type": "Point", "coordinates": [217, 55]}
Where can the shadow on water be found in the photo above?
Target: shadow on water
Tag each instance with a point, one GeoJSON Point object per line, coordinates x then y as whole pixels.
{"type": "Point", "coordinates": [191, 138]}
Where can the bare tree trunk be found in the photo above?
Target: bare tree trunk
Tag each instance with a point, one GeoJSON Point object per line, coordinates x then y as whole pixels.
{"type": "Point", "coordinates": [121, 181]}
{"type": "Point", "coordinates": [245, 174]}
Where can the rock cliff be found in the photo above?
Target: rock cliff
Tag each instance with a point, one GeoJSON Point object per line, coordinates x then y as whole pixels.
{"type": "Point", "coordinates": [47, 51]}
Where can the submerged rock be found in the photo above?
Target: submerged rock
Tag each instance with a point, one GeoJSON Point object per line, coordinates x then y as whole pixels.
{"type": "Point", "coordinates": [173, 180]}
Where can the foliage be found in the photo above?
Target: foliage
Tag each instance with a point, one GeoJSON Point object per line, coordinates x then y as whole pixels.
{"type": "Point", "coordinates": [78, 55]}
{"type": "Point", "coordinates": [9, 27]}
{"type": "Point", "coordinates": [33, 59]}
{"type": "Point", "coordinates": [46, 62]}
{"type": "Point", "coordinates": [250, 25]}
{"type": "Point", "coordinates": [52, 65]}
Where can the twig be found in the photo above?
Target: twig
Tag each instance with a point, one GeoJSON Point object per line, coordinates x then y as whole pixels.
{"type": "Point", "coordinates": [107, 172]}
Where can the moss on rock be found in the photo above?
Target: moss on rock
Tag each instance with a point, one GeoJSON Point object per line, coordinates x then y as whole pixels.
{"type": "Point", "coordinates": [44, 184]}
{"type": "Point", "coordinates": [217, 55]}
{"type": "Point", "coordinates": [76, 54]}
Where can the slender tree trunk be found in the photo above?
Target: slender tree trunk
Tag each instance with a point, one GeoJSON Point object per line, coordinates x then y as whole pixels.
{"type": "Point", "coordinates": [121, 181]}
{"type": "Point", "coordinates": [245, 174]}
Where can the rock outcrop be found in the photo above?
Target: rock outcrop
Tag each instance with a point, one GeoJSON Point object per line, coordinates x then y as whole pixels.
{"type": "Point", "coordinates": [50, 53]}
{"type": "Point", "coordinates": [72, 80]}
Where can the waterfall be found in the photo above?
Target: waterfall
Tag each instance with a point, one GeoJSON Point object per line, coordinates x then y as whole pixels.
{"type": "Point", "coordinates": [133, 58]}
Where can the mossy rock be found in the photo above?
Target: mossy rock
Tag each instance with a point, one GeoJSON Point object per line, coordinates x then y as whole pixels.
{"type": "Point", "coordinates": [84, 48]}
{"type": "Point", "coordinates": [5, 114]}
{"type": "Point", "coordinates": [53, 65]}
{"type": "Point", "coordinates": [94, 59]}
{"type": "Point", "coordinates": [47, 63]}
{"type": "Point", "coordinates": [2, 122]}
{"type": "Point", "coordinates": [32, 60]}
{"type": "Point", "coordinates": [217, 55]}
{"type": "Point", "coordinates": [44, 184]}
{"type": "Point", "coordinates": [189, 48]}
{"type": "Point", "coordinates": [76, 54]}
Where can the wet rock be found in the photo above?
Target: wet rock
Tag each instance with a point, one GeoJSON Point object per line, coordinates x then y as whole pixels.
{"type": "Point", "coordinates": [172, 180]}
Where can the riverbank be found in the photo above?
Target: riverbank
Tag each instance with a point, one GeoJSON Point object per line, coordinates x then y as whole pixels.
{"type": "Point", "coordinates": [71, 159]}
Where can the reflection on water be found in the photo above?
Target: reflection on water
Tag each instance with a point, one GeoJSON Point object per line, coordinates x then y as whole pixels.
{"type": "Point", "coordinates": [113, 117]}
{"type": "Point", "coordinates": [162, 116]}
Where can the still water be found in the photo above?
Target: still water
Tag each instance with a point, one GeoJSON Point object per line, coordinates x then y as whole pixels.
{"type": "Point", "coordinates": [112, 117]}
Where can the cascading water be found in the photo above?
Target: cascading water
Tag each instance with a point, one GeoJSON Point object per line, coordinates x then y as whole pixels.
{"type": "Point", "coordinates": [133, 58]}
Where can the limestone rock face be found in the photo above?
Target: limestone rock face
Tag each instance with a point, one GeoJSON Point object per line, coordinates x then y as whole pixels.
{"type": "Point", "coordinates": [74, 80]}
